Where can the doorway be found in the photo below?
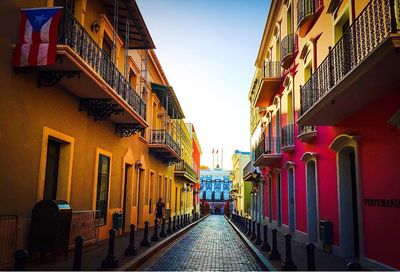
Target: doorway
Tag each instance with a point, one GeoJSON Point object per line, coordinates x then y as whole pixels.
{"type": "Point", "coordinates": [348, 202]}
{"type": "Point", "coordinates": [270, 198]}
{"type": "Point", "coordinates": [52, 166]}
{"type": "Point", "coordinates": [126, 201]}
{"type": "Point", "coordinates": [312, 210]}
{"type": "Point", "coordinates": [291, 198]}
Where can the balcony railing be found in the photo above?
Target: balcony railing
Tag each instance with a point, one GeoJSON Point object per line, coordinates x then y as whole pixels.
{"type": "Point", "coordinates": [367, 32]}
{"type": "Point", "coordinates": [73, 34]}
{"type": "Point", "coordinates": [306, 129]}
{"type": "Point", "coordinates": [288, 47]}
{"type": "Point", "coordinates": [307, 9]}
{"type": "Point", "coordinates": [183, 166]}
{"type": "Point", "coordinates": [287, 136]}
{"type": "Point", "coordinates": [161, 136]}
{"type": "Point", "coordinates": [268, 145]}
{"type": "Point", "coordinates": [248, 169]}
{"type": "Point", "coordinates": [271, 69]}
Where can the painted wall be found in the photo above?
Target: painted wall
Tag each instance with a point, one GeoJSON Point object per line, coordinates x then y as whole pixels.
{"type": "Point", "coordinates": [377, 145]}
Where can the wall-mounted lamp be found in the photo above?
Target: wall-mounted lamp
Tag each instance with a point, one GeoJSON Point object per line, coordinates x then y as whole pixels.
{"type": "Point", "coordinates": [138, 165]}
{"type": "Point", "coordinates": [95, 27]}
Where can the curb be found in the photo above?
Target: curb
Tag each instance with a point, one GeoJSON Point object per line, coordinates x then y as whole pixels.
{"type": "Point", "coordinates": [256, 252]}
{"type": "Point", "coordinates": [143, 257]}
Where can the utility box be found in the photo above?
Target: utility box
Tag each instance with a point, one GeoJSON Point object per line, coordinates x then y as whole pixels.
{"type": "Point", "coordinates": [50, 227]}
{"type": "Point", "coordinates": [326, 231]}
{"type": "Point", "coordinates": [117, 219]}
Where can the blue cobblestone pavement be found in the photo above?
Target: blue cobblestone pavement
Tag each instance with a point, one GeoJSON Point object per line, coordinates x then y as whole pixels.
{"type": "Point", "coordinates": [212, 245]}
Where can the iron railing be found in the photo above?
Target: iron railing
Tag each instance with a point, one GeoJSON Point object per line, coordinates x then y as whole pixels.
{"type": "Point", "coordinates": [288, 46]}
{"type": "Point", "coordinates": [268, 145]}
{"type": "Point", "coordinates": [73, 34]}
{"type": "Point", "coordinates": [83, 223]}
{"type": "Point", "coordinates": [161, 136]}
{"type": "Point", "coordinates": [184, 166]}
{"type": "Point", "coordinates": [248, 169]}
{"type": "Point", "coordinates": [8, 239]}
{"type": "Point", "coordinates": [271, 69]}
{"type": "Point", "coordinates": [367, 32]}
{"type": "Point", "coordinates": [287, 135]}
{"type": "Point", "coordinates": [306, 129]}
{"type": "Point", "coordinates": [307, 7]}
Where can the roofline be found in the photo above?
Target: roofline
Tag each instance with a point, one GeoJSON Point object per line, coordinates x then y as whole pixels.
{"type": "Point", "coordinates": [268, 29]}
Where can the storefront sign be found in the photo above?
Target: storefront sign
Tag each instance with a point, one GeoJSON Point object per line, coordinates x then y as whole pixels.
{"type": "Point", "coordinates": [386, 203]}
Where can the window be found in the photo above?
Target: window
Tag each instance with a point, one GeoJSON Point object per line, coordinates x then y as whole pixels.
{"type": "Point", "coordinates": [159, 189]}
{"type": "Point", "coordinates": [132, 78]}
{"type": "Point", "coordinates": [102, 189]}
{"type": "Point", "coordinates": [52, 165]}
{"type": "Point", "coordinates": [146, 190]}
{"type": "Point", "coordinates": [289, 20]}
{"type": "Point", "coordinates": [165, 190]}
{"type": "Point", "coordinates": [308, 71]}
{"type": "Point", "coordinates": [107, 45]}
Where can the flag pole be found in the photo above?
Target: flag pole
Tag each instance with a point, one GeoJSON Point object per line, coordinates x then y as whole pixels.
{"type": "Point", "coordinates": [222, 158]}
{"type": "Point", "coordinates": [213, 159]}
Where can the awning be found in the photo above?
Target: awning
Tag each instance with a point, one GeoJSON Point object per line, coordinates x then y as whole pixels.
{"type": "Point", "coordinates": [167, 94]}
{"type": "Point", "coordinates": [139, 35]}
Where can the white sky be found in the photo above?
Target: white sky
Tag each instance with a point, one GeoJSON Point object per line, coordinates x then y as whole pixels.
{"type": "Point", "coordinates": [207, 49]}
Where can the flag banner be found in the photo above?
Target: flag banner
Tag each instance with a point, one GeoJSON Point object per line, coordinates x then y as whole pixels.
{"type": "Point", "coordinates": [38, 37]}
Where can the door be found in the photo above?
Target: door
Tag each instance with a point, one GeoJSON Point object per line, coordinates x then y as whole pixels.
{"type": "Point", "coordinates": [278, 198]}
{"type": "Point", "coordinates": [312, 211]}
{"type": "Point", "coordinates": [126, 201]}
{"type": "Point", "coordinates": [52, 165]}
{"type": "Point", "coordinates": [348, 197]}
{"type": "Point", "coordinates": [291, 196]}
{"type": "Point", "coordinates": [270, 198]}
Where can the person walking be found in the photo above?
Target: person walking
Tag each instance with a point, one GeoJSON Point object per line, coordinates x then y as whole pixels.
{"type": "Point", "coordinates": [160, 207]}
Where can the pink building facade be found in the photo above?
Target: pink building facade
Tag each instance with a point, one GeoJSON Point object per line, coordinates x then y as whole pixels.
{"type": "Point", "coordinates": [325, 146]}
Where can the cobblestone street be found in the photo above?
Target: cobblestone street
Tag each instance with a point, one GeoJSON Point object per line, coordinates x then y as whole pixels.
{"type": "Point", "coordinates": [211, 245]}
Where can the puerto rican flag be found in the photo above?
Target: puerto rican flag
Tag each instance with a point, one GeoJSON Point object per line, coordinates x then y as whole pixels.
{"type": "Point", "coordinates": [38, 37]}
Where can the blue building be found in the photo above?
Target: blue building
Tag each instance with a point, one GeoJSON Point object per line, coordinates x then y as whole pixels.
{"type": "Point", "coordinates": [215, 186]}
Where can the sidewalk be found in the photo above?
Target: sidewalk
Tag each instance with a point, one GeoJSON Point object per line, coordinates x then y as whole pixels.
{"type": "Point", "coordinates": [92, 255]}
{"type": "Point", "coordinates": [323, 261]}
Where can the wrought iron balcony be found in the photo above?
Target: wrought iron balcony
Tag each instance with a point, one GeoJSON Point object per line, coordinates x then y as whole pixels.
{"type": "Point", "coordinates": [306, 133]}
{"type": "Point", "coordinates": [163, 146]}
{"type": "Point", "coordinates": [288, 49]}
{"type": "Point", "coordinates": [361, 67]}
{"type": "Point", "coordinates": [267, 151]}
{"type": "Point", "coordinates": [85, 70]}
{"type": "Point", "coordinates": [287, 137]}
{"type": "Point", "coordinates": [267, 84]}
{"type": "Point", "coordinates": [183, 169]}
{"type": "Point", "coordinates": [249, 172]}
{"type": "Point", "coordinates": [308, 12]}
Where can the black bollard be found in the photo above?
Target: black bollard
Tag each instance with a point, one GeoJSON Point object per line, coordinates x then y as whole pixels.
{"type": "Point", "coordinates": [20, 257]}
{"type": "Point", "coordinates": [145, 242]}
{"type": "Point", "coordinates": [174, 224]}
{"type": "Point", "coordinates": [253, 233]}
{"type": "Point", "coordinates": [258, 240]}
{"type": "Point", "coordinates": [162, 232]}
{"type": "Point", "coordinates": [274, 255]}
{"type": "Point", "coordinates": [354, 266]}
{"type": "Point", "coordinates": [178, 222]}
{"type": "Point", "coordinates": [288, 264]}
{"type": "Point", "coordinates": [155, 236]}
{"type": "Point", "coordinates": [169, 230]}
{"type": "Point", "coordinates": [310, 257]}
{"type": "Point", "coordinates": [265, 246]}
{"type": "Point", "coordinates": [249, 233]}
{"type": "Point", "coordinates": [245, 226]}
{"type": "Point", "coordinates": [188, 218]}
{"type": "Point", "coordinates": [131, 250]}
{"type": "Point", "coordinates": [77, 265]}
{"type": "Point", "coordinates": [110, 261]}
{"type": "Point", "coordinates": [182, 224]}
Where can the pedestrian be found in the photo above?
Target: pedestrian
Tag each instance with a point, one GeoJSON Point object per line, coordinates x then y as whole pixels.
{"type": "Point", "coordinates": [160, 206]}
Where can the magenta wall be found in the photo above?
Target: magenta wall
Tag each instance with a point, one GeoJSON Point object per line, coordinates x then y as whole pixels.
{"type": "Point", "coordinates": [379, 149]}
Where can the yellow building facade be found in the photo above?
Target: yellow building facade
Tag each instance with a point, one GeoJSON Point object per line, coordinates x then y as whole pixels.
{"type": "Point", "coordinates": [100, 128]}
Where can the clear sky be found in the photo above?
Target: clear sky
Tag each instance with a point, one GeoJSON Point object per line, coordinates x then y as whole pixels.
{"type": "Point", "coordinates": [207, 49]}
